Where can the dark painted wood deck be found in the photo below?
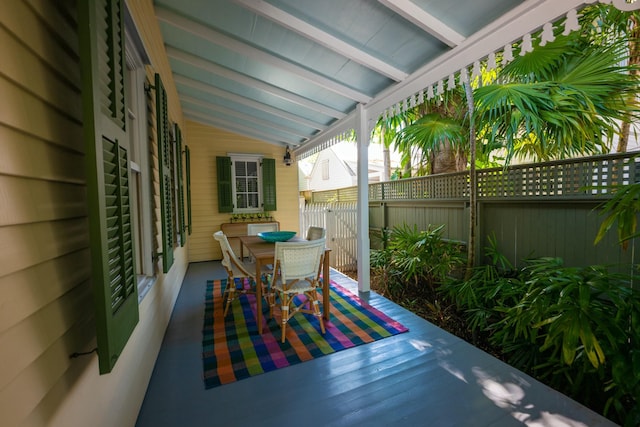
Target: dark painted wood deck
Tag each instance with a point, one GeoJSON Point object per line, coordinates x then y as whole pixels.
{"type": "Point", "coordinates": [425, 377]}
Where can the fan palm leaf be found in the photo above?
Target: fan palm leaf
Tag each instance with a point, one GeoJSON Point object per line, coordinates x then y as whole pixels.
{"type": "Point", "coordinates": [572, 113]}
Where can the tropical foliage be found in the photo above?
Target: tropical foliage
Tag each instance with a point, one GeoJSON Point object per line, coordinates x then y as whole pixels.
{"type": "Point", "coordinates": [412, 259]}
{"type": "Point", "coordinates": [622, 209]}
{"type": "Point", "coordinates": [563, 99]}
{"type": "Point", "coordinates": [573, 328]}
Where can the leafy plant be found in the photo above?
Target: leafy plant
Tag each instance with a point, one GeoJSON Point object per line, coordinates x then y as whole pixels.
{"type": "Point", "coordinates": [380, 262]}
{"type": "Point", "coordinates": [580, 320]}
{"type": "Point", "coordinates": [622, 209]}
{"type": "Point", "coordinates": [484, 295]}
{"type": "Point", "coordinates": [573, 328]}
{"type": "Point", "coordinates": [415, 258]}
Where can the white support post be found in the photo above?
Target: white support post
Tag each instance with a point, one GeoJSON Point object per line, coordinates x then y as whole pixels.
{"type": "Point", "coordinates": [363, 134]}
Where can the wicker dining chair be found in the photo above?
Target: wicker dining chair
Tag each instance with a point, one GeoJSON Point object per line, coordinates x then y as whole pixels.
{"type": "Point", "coordinates": [241, 270]}
{"type": "Point", "coordinates": [255, 228]}
{"type": "Point", "coordinates": [314, 233]}
{"type": "Point", "coordinates": [296, 272]}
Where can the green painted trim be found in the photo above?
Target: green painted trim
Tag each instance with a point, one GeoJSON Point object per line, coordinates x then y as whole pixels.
{"type": "Point", "coordinates": [107, 169]}
{"type": "Point", "coordinates": [269, 185]}
{"type": "Point", "coordinates": [188, 172]}
{"type": "Point", "coordinates": [164, 159]}
{"type": "Point", "coordinates": [225, 189]}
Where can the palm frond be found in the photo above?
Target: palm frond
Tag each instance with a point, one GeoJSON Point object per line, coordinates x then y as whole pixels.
{"type": "Point", "coordinates": [431, 131]}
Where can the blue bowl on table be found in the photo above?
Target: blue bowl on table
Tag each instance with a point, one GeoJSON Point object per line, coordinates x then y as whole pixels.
{"type": "Point", "coordinates": [276, 236]}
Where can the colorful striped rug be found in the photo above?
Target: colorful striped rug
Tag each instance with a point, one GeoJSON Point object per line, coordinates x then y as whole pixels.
{"type": "Point", "coordinates": [233, 350]}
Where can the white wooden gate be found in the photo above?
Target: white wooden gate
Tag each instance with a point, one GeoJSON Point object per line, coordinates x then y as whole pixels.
{"type": "Point", "coordinates": [339, 221]}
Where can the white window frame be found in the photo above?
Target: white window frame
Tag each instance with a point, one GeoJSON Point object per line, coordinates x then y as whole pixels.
{"type": "Point", "coordinates": [324, 168]}
{"type": "Point", "coordinates": [249, 158]}
{"type": "Point", "coordinates": [139, 160]}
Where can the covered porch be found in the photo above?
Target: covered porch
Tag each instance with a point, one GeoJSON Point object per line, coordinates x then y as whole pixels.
{"type": "Point", "coordinates": [169, 94]}
{"type": "Point", "coordinates": [424, 377]}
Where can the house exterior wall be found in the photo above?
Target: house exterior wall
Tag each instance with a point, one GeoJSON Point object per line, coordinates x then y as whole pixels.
{"type": "Point", "coordinates": [46, 302]}
{"type": "Point", "coordinates": [340, 175]}
{"type": "Point", "coordinates": [206, 143]}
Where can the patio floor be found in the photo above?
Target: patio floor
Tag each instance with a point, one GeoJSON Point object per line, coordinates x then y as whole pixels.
{"type": "Point", "coordinates": [426, 377]}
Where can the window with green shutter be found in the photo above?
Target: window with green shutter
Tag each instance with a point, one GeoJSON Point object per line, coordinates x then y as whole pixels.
{"type": "Point", "coordinates": [269, 184]}
{"type": "Point", "coordinates": [101, 31]}
{"type": "Point", "coordinates": [246, 183]}
{"type": "Point", "coordinates": [225, 189]}
{"type": "Point", "coordinates": [164, 157]}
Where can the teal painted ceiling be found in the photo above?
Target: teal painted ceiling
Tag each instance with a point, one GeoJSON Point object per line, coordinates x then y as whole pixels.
{"type": "Point", "coordinates": [286, 70]}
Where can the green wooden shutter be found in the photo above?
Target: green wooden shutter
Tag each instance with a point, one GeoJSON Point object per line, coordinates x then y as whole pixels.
{"type": "Point", "coordinates": [101, 31]}
{"type": "Point", "coordinates": [183, 237]}
{"type": "Point", "coordinates": [187, 162]}
{"type": "Point", "coordinates": [164, 157]}
{"type": "Point", "coordinates": [225, 189]}
{"type": "Point", "coordinates": [269, 184]}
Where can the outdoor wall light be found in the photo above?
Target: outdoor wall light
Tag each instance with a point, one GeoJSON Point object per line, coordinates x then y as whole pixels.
{"type": "Point", "coordinates": [287, 157]}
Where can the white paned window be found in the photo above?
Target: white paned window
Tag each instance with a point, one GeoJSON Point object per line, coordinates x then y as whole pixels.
{"type": "Point", "coordinates": [247, 179]}
{"type": "Point", "coordinates": [325, 169]}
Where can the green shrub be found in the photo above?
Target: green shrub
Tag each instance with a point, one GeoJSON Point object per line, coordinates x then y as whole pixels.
{"type": "Point", "coordinates": [414, 258]}
{"type": "Point", "coordinates": [573, 328]}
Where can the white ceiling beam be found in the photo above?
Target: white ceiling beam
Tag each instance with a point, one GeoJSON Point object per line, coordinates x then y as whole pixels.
{"type": "Point", "coordinates": [241, 116]}
{"type": "Point", "coordinates": [323, 38]}
{"type": "Point", "coordinates": [185, 81]}
{"type": "Point", "coordinates": [217, 38]}
{"type": "Point", "coordinates": [291, 97]}
{"type": "Point", "coordinates": [235, 128]}
{"type": "Point", "coordinates": [427, 22]}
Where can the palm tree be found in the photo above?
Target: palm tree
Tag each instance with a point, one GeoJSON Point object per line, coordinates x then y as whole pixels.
{"type": "Point", "coordinates": [562, 100]}
{"type": "Point", "coordinates": [625, 26]}
{"type": "Point", "coordinates": [438, 138]}
{"type": "Point", "coordinates": [385, 133]}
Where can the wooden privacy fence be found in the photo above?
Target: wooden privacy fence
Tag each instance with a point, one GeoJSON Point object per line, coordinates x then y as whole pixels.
{"type": "Point", "coordinates": [339, 221]}
{"type": "Point", "coordinates": [539, 209]}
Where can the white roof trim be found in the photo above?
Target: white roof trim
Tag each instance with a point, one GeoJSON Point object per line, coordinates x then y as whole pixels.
{"type": "Point", "coordinates": [326, 139]}
{"type": "Point", "coordinates": [523, 20]}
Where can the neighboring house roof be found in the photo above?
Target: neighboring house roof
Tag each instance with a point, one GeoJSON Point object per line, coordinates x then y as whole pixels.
{"type": "Point", "coordinates": [342, 167]}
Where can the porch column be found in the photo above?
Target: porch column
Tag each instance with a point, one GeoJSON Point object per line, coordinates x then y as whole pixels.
{"type": "Point", "coordinates": [362, 133]}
